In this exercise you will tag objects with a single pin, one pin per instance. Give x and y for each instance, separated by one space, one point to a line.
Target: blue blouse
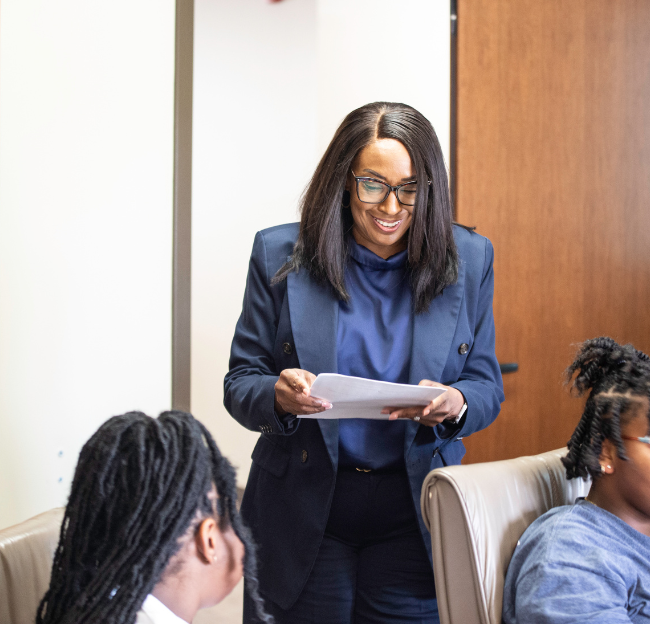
374 340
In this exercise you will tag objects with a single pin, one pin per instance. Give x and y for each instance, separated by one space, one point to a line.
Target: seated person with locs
590 562
151 533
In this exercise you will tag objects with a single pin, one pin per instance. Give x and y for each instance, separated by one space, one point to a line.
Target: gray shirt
575 564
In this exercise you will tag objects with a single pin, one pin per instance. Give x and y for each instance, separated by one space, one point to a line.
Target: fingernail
392 417
425 413
328 406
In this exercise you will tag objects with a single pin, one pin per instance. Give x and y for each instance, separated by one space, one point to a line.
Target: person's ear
608 457
209 541
349 180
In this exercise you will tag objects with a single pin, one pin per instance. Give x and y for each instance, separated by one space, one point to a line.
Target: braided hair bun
616 378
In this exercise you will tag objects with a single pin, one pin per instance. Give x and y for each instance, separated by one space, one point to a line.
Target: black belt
373 471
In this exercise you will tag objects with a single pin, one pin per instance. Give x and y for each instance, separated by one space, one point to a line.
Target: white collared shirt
153 611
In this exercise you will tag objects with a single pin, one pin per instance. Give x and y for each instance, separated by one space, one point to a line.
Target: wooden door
553 165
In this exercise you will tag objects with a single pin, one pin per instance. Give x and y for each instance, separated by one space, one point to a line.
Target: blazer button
463 349
287 348
303 457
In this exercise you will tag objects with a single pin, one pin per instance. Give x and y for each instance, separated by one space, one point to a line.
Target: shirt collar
367 258
158 612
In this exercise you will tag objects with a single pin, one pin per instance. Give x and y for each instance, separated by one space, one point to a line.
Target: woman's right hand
292 393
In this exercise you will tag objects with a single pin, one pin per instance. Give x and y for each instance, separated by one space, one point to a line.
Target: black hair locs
326 220
616 377
137 488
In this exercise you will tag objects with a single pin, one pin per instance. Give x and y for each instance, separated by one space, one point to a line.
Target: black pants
372 566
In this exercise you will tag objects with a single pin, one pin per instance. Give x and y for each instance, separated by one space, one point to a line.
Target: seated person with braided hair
151 533
590 562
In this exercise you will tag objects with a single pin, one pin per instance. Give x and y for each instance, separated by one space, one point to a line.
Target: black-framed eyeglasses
372 191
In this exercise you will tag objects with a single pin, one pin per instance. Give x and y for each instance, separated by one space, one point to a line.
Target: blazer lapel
433 332
313 309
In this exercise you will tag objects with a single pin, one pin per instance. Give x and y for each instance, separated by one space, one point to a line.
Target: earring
602 468
345 200
215 558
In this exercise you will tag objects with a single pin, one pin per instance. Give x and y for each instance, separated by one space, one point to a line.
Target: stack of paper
355 397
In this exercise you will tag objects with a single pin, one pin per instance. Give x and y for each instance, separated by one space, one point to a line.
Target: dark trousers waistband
401 469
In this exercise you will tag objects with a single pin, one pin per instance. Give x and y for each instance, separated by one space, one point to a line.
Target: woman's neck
606 495
178 597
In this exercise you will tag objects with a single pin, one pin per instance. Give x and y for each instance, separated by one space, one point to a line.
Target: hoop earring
345 200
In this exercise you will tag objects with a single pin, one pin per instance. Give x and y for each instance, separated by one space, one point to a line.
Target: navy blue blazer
293 324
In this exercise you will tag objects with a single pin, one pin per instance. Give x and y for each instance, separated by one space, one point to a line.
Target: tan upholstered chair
26 552
476 515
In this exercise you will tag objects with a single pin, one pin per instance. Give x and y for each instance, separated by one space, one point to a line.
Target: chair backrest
476 514
26 553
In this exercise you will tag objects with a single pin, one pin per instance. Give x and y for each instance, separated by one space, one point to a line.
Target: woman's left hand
445 407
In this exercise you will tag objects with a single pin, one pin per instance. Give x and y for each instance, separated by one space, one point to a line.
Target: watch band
460 414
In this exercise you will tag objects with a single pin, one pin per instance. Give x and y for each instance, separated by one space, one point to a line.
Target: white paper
355 397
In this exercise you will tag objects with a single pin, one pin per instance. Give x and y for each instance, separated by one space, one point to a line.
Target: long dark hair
321 245
137 488
616 377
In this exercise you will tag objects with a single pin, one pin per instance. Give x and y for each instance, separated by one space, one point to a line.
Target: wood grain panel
553 166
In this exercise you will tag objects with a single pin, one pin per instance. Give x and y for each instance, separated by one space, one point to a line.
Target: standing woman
376 281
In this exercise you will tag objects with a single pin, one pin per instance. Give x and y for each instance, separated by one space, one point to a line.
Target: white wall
383 50
255 132
86 155
271 84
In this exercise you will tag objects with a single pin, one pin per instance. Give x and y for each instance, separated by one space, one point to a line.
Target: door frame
182 212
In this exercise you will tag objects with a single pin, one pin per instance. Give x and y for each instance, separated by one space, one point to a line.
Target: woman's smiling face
382 228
